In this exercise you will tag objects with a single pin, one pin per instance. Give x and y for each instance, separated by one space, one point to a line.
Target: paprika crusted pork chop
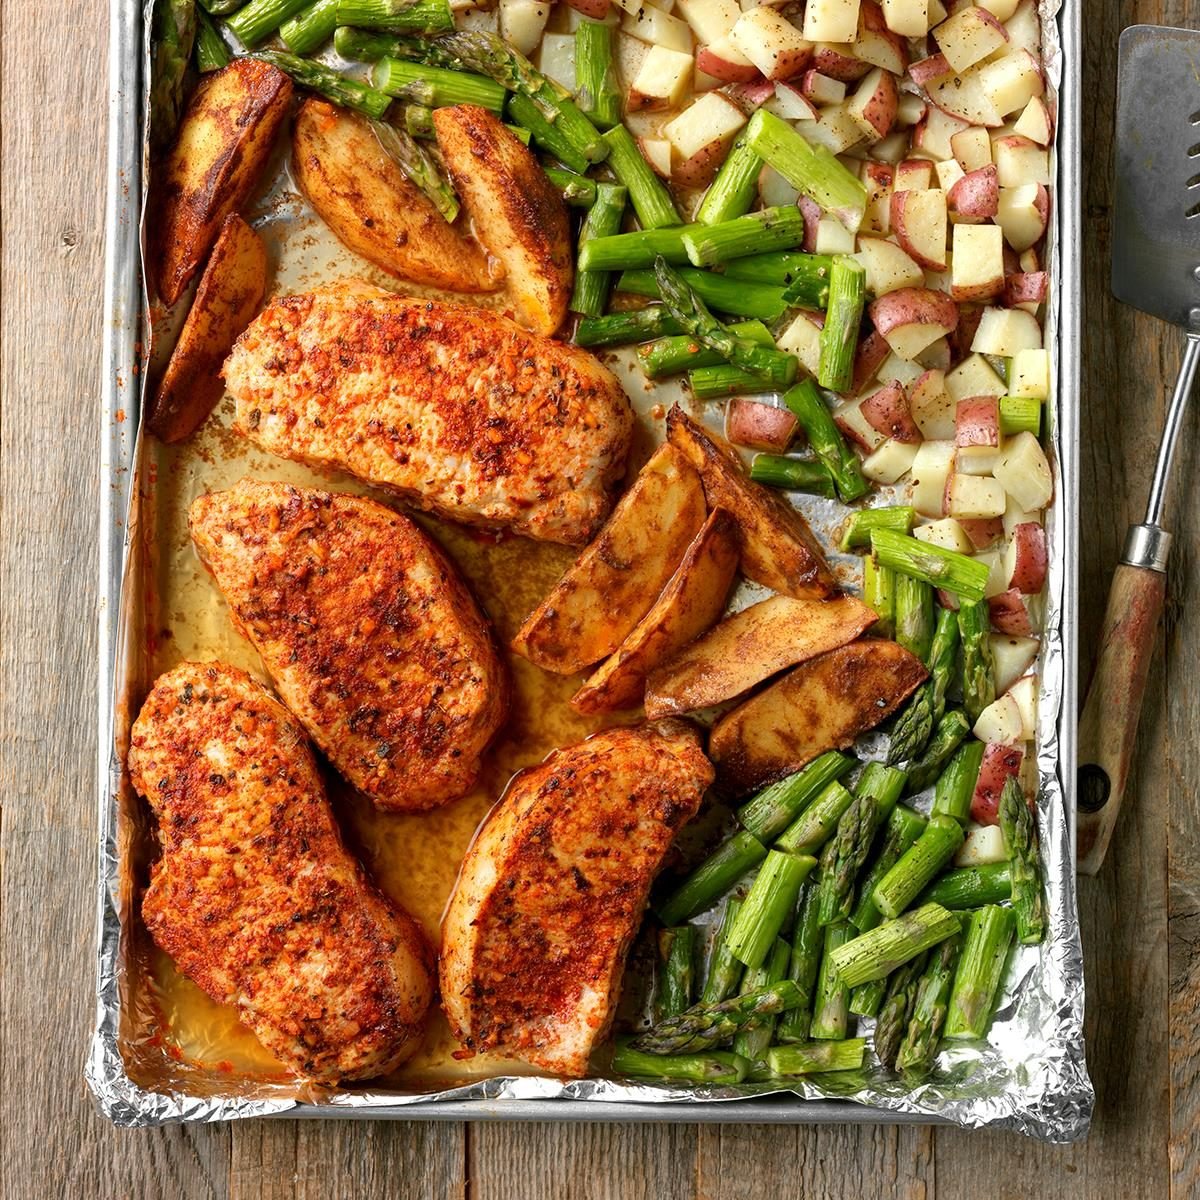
255 896
553 888
368 631
458 410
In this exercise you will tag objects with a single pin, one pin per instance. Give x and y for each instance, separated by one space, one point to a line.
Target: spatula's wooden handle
1109 723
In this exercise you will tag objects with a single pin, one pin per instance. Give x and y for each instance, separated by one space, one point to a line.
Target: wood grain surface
1141 916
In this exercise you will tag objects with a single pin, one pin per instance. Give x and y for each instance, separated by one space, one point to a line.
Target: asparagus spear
808 942
830 1019
736 297
716 1066
724 971
867 998
397 16
211 52
596 89
914 616
816 1057
418 121
620 328
988 937
876 954
768 813
777 228
956 785
892 1022
879 595
360 45
928 1019
650 199
969 887
604 218
965 577
752 1041
1020 413
1024 863
843 317
903 828
935 847
735 187
712 878
256 21
311 27
441 87
671 355
622 251
947 736
805 277
174 32
349 93
577 190
857 530
551 137
677 953
814 826
793 474
708 383
706 1025
978 681
771 899
418 167
826 440
928 704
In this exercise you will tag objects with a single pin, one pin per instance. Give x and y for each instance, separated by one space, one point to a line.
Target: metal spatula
1156 268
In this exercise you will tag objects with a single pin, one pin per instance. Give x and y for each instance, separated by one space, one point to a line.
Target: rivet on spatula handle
1108 727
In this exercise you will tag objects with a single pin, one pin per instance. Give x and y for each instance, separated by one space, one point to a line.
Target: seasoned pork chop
458 410
368 631
255 897
553 888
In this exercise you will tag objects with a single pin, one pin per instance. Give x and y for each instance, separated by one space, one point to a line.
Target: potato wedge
518 214
751 646
224 142
822 705
689 604
596 604
230 292
778 548
363 196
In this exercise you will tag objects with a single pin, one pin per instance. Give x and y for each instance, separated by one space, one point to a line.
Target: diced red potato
973 497
983 845
888 267
1020 162
789 104
947 533
872 352
1024 471
836 130
909 109
983 532
522 23
700 138
969 36
936 356
1027 260
774 189
708 19
836 62
810 210
848 417
662 80
931 471
1035 122
873 105
1012 656
772 43
1011 82
595 10
1015 515
977 422
972 148
655 26
961 94
759 426
931 406
1024 27
803 339
1000 724
948 173
919 222
1000 9
926 70
1010 614
1026 288
886 410
1023 213
823 89
1000 763
977 263
750 97
1005 331
831 20
976 196
974 376
960 339
912 318
931 137
657 152
877 177
908 18
890 461
913 174
892 148
724 61
1025 693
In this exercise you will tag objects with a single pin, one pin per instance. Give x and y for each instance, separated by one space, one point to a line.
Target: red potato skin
596 9
983 531
969 317
759 426
880 110
698 171
871 354
909 306
811 212
724 70
927 69
1009 614
976 196
947 599
852 434
886 411
792 63
831 61
1000 763
913 173
1032 558
1026 288
751 96
879 176
809 83
870 18
977 422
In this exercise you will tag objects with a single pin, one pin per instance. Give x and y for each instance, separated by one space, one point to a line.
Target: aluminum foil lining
1029 1077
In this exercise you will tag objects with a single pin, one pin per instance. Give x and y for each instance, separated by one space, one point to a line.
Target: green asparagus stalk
418 121
813 170
360 45
706 1025
577 190
879 595
621 328
978 680
892 1023
876 954
220 8
867 998
752 1041
211 51
174 34
808 943
1024 863
712 878
928 704
914 616
988 937
856 532
710 383
398 78
793 474
768 813
349 93
1019 414
830 1019
622 251
956 785
596 89
736 297
928 1019
817 1057
965 577
771 899
715 1066
843 317
677 954
255 22
551 137
778 228
815 825
950 733
590 296
936 846
826 440
417 165
969 887
724 971
647 193
735 187
310 28
671 355
397 16
805 277
903 828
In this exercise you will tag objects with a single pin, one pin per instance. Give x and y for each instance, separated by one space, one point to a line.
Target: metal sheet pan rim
118 1096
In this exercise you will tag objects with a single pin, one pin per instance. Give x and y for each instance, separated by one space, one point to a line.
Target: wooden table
1141 918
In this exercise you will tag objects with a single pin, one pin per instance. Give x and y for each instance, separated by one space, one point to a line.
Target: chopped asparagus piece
752 1041
598 93
857 530
211 51
724 379
713 878
310 28
778 228
677 954
768 813
902 829
647 193
399 78
914 616
1024 863
621 328
916 722
793 474
671 355
577 190
771 899
815 825
877 953
256 21
956 784
916 1055
892 1022
735 187
969 887
830 1019
879 595
724 971
397 16
936 846
978 679
715 1066
706 1025
950 733
816 1057
418 167
604 218
733 296
826 440
349 93
623 251
988 937
808 943
843 317
965 577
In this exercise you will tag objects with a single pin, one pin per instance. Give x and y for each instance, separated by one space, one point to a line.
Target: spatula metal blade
1156 230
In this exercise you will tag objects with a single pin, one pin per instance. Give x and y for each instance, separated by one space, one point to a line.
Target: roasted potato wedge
597 603
518 214
822 705
230 292
689 604
751 646
363 196
778 548
224 142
